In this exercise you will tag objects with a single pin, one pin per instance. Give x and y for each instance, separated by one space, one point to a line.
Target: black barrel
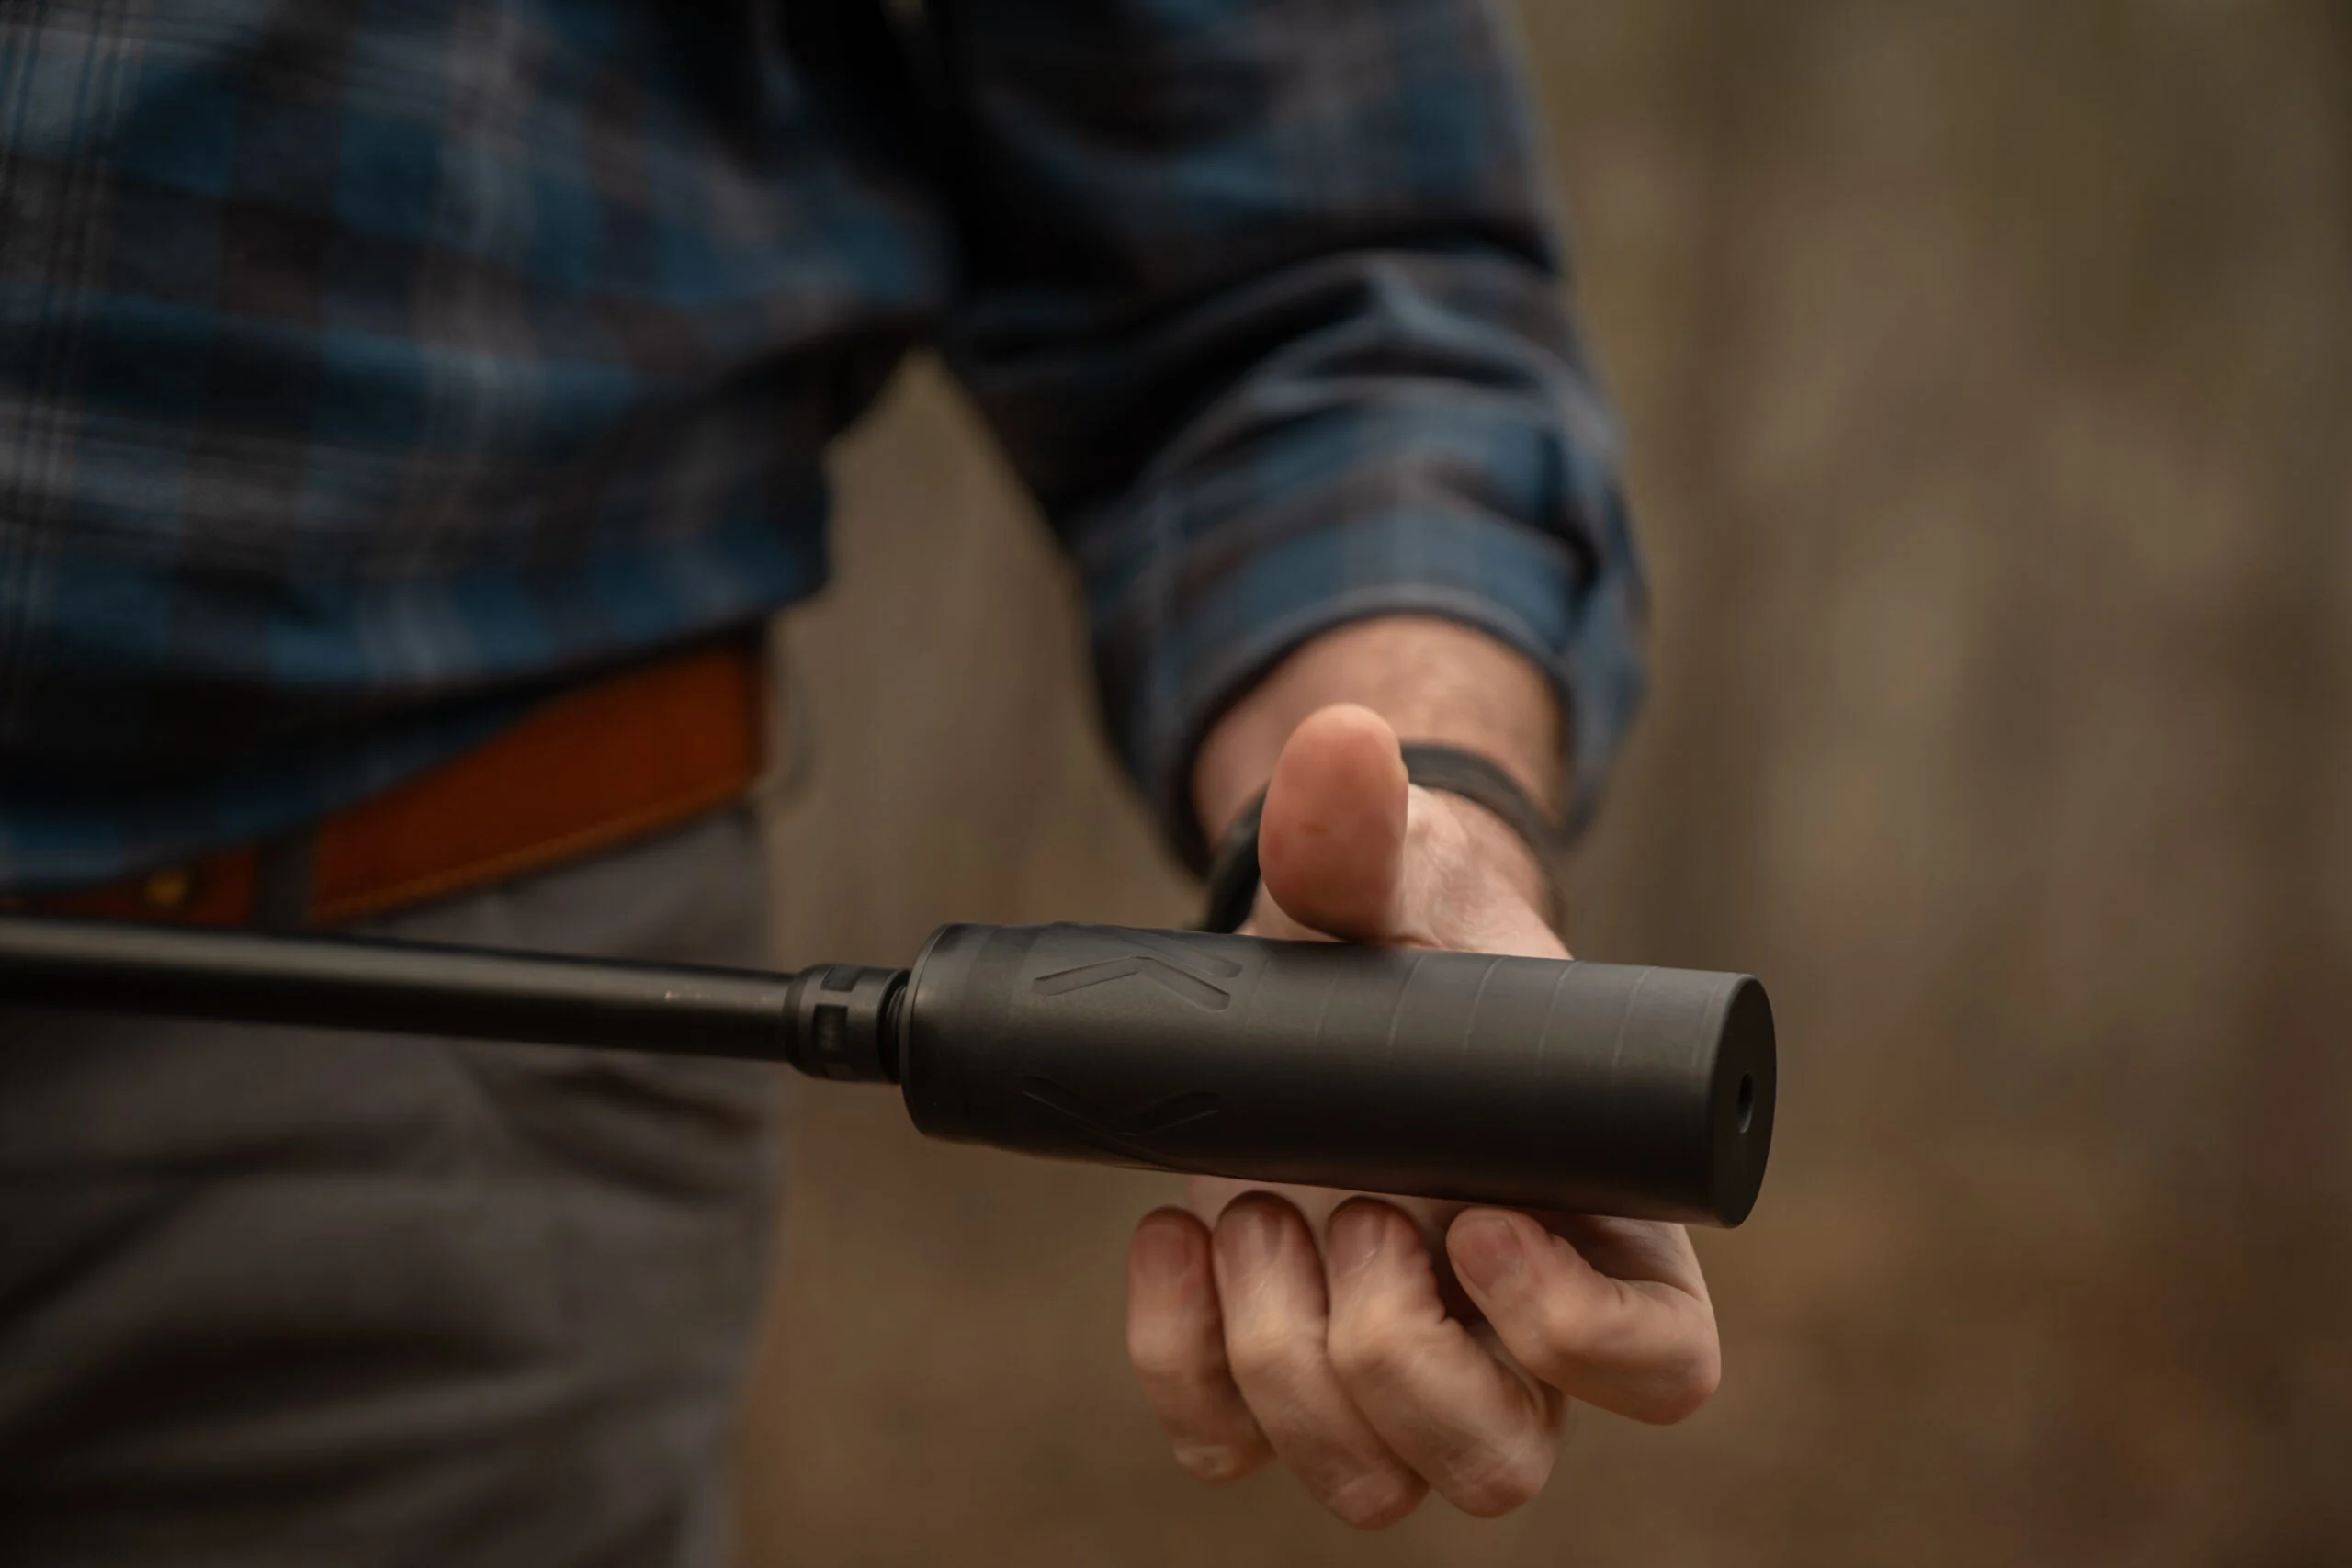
397 988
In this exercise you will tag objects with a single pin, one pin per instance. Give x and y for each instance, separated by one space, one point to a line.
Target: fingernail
1487 1250
1250 1233
1358 1232
1212 1462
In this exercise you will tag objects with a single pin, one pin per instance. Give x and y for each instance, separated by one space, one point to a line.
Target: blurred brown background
1988 371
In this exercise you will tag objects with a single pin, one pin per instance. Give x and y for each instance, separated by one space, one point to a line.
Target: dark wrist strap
1233 874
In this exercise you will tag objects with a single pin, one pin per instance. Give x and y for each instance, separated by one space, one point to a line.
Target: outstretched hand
1387 1348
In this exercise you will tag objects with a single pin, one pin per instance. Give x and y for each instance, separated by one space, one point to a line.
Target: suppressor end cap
1746 1089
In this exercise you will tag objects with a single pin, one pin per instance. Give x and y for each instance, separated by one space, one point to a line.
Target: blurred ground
1988 371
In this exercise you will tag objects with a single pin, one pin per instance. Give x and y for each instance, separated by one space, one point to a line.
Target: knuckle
1160 1355
1565 1329
1216 1462
1503 1478
1570 1346
1371 1348
1269 1354
1375 1499
1682 1391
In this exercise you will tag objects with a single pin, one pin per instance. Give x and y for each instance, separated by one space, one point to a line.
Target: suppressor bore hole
1744 1105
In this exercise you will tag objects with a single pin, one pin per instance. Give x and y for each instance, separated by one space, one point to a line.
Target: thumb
1331 838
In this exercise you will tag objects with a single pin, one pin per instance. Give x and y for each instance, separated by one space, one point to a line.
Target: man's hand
1387 1348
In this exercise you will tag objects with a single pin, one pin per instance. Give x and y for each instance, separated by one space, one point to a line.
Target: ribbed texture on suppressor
1590 1088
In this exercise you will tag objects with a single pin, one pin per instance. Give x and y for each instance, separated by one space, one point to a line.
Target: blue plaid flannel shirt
369 370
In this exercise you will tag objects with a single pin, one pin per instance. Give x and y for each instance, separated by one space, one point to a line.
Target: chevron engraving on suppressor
1159 972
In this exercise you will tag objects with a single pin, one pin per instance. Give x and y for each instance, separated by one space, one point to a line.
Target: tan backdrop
1988 371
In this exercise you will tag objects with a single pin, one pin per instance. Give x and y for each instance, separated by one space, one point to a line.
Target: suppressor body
1590 1088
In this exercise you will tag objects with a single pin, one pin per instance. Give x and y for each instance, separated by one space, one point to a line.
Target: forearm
1433 680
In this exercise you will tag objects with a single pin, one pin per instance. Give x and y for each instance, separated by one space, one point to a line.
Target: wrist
1433 679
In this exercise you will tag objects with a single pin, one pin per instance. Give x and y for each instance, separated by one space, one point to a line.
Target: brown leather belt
593 768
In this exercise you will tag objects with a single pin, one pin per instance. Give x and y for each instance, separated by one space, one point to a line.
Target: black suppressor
1591 1088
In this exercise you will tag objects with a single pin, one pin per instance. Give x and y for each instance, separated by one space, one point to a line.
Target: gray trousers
276 1296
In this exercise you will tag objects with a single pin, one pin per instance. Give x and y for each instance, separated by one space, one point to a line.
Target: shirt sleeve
1264 300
